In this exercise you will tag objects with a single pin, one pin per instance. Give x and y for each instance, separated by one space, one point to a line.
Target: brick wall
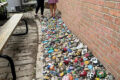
97 24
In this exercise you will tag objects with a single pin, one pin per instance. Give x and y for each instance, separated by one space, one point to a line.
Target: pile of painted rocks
66 57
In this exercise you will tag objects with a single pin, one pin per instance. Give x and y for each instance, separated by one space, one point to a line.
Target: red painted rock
66 62
64 49
76 60
81 59
82 64
83 73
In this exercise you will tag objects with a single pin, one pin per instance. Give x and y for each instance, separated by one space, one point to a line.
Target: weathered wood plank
7 29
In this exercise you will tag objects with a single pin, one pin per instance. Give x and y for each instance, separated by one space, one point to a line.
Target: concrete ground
25 51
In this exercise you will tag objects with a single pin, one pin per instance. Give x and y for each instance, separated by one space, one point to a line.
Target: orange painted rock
52 68
70 77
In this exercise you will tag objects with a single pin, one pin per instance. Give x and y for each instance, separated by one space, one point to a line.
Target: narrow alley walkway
51 52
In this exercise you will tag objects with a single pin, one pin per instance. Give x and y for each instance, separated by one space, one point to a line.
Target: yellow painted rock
61 74
60 64
54 57
77 53
56 50
46 77
66 33
97 78
86 62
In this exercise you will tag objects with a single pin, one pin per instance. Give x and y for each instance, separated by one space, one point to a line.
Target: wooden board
3 4
7 29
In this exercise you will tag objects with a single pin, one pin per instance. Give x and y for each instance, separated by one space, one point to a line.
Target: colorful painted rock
97 78
81 59
90 66
66 62
46 78
50 51
86 62
70 77
61 74
65 77
91 75
94 60
80 46
76 79
54 57
83 73
69 50
56 50
76 60
101 74
64 50
84 51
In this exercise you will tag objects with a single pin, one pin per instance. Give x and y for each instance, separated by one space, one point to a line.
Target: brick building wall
97 24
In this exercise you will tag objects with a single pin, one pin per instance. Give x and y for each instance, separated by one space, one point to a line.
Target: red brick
117 5
114 27
117 21
105 10
114 12
108 18
110 4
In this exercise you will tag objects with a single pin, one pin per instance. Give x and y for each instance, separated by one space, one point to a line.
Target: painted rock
80 59
101 74
46 78
83 73
76 79
84 51
85 59
86 62
65 72
97 78
71 67
61 74
54 57
56 50
50 51
60 64
76 60
52 67
76 40
80 46
82 64
91 75
77 53
94 60
47 59
64 50
69 50
87 55
90 66
65 77
70 77
66 62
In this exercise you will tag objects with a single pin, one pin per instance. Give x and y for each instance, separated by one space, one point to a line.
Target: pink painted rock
87 55
76 60
65 77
